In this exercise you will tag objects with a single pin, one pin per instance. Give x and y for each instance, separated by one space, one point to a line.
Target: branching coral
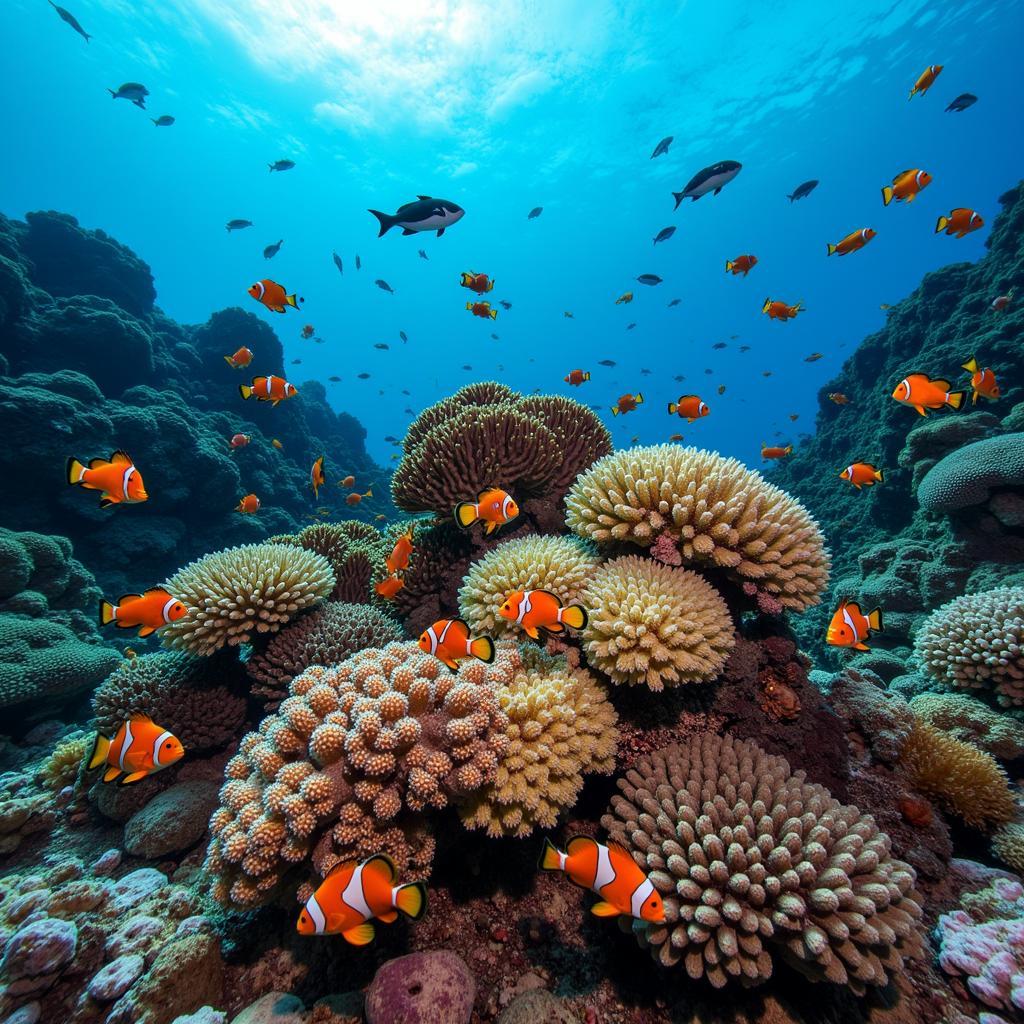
650 624
977 642
561 727
349 761
324 636
561 565
966 780
355 551
965 718
753 862
719 512
234 594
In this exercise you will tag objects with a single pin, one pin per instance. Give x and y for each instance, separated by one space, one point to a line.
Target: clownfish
850 627
150 610
390 586
316 476
610 872
905 186
240 440
577 377
740 265
449 641
353 894
478 283
493 506
960 222
776 310
627 403
116 477
268 389
775 451
838 397
308 331
920 392
482 309
355 498
983 381
689 408
862 474
139 748
241 358
273 296
398 560
925 80
537 610
248 505
852 242
625 297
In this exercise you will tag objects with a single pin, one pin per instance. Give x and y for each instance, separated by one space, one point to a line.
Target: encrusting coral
753 861
235 594
561 565
561 727
654 625
968 475
976 642
349 761
965 718
718 512
355 551
325 636
966 780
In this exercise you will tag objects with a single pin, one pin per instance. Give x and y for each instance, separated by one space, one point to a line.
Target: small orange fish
983 382
905 186
149 611
316 477
248 505
116 478
862 474
277 444
355 498
537 610
920 392
450 642
627 403
721 389
850 627
380 517
776 310
348 481
740 265
240 440
398 560
794 416
1001 302
353 894
268 389
625 297
960 222
273 296
239 359
884 305
482 309
775 451
387 588
139 748
308 331
493 506
813 357
577 377
838 397
689 407
852 242
925 80
675 437
475 282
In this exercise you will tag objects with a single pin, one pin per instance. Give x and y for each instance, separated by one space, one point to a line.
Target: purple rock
422 988
131 890
204 1015
116 978
135 935
192 925
41 947
107 863
27 1014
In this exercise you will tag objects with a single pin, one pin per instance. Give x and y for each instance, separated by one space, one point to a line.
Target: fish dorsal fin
154 590
141 718
424 198
382 864
554 597
338 868
487 490
576 841
613 845
121 456
129 597
944 384
909 170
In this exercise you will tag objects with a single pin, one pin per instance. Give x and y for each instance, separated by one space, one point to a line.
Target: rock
204 1015
537 1007
27 1014
273 1008
131 890
136 935
40 948
188 974
434 987
116 978
107 863
172 821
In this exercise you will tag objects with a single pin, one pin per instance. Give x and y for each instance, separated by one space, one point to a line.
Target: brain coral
191 696
325 636
977 642
972 721
559 564
968 475
236 593
353 549
349 761
753 861
486 435
719 512
654 625
561 727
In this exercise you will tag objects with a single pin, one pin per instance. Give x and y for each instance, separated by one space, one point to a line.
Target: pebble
39 948
537 1007
192 925
135 935
107 863
27 1014
130 891
422 988
116 978
273 1008
18 909
204 1015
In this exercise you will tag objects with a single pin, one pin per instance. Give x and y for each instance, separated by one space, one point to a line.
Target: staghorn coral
650 624
234 594
972 721
754 862
191 696
561 727
977 642
349 762
324 636
721 514
559 564
60 767
355 551
966 780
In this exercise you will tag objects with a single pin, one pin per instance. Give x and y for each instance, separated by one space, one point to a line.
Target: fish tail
107 613
469 305
790 198
493 314
387 222
879 476
672 408
728 266
75 471
550 857
112 93
875 620
615 410
228 360
100 747
575 616
831 248
940 224
971 366
411 900
586 376
245 391
639 398
679 197
886 195
292 301
482 648
956 398
465 514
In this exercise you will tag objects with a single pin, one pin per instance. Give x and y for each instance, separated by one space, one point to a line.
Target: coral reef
722 515
1008 845
969 475
355 551
972 721
235 594
653 625
422 988
60 768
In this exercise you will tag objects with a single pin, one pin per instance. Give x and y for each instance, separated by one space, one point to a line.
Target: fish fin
604 909
550 857
230 362
672 407
911 197
245 391
575 616
111 773
292 301
107 613
532 632
971 366
940 224
387 222
489 528
120 456
275 403
861 647
974 398
440 232
133 777
388 917
340 866
638 398
728 265
956 398
875 620
452 666
100 748
382 863
465 514
879 476
831 249
493 314
576 840
361 935
615 410
678 196
411 900
922 411
469 305
886 195
75 471
106 501
139 717
147 631
555 629
482 648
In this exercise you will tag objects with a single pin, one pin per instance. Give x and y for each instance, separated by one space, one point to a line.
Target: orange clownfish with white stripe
850 627
353 894
449 641
316 476
139 748
922 393
610 872
983 381
149 611
272 295
493 506
540 610
268 389
117 478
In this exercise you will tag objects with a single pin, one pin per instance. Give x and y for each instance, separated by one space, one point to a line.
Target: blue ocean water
503 107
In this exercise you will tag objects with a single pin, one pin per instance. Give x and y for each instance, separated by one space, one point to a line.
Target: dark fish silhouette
495 337
664 235
69 19
674 302
744 348
282 165
271 250
163 121
606 362
363 376
630 327
709 179
403 335
426 214
650 279
505 303
404 392
381 345
719 344
423 255
535 212
645 372
334 380
135 92
338 263
803 190
384 286
295 362
467 367
962 102
359 262
662 147
237 225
